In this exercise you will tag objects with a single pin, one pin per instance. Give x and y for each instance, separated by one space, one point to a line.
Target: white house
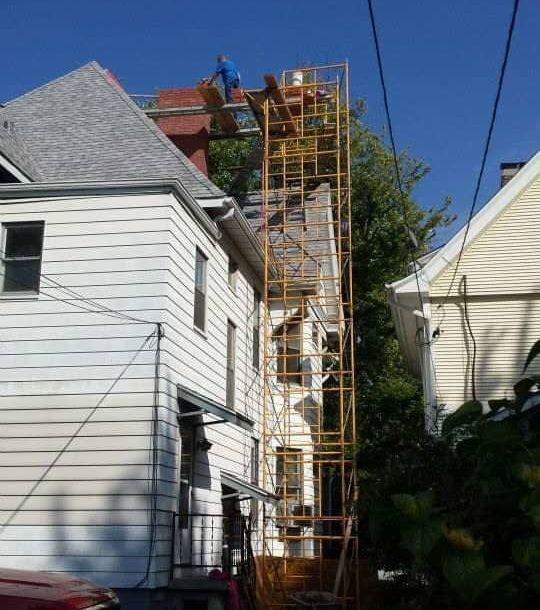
476 330
130 353
110 232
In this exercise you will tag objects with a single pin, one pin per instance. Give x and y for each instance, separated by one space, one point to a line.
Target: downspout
228 204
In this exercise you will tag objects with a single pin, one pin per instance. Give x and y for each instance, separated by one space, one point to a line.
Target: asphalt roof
83 126
300 237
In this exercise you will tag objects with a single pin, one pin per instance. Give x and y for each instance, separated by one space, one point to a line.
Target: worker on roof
229 75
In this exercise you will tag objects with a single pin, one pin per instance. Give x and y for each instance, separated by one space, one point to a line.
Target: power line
487 144
155 459
411 240
103 309
75 434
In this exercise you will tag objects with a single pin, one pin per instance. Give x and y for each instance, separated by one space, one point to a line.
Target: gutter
231 209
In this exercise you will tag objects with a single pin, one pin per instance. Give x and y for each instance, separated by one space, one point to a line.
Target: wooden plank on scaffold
282 107
212 96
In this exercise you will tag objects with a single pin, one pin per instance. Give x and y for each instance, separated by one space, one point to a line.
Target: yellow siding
503 288
504 332
504 258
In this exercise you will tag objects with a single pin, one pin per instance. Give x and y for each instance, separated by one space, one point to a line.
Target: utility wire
411 240
74 435
473 339
155 459
487 144
103 309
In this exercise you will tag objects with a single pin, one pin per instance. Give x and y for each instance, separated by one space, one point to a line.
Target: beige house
474 333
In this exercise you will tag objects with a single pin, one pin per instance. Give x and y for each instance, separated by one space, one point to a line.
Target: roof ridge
152 127
59 79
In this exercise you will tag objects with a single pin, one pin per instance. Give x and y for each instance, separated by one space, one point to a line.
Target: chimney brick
509 170
189 133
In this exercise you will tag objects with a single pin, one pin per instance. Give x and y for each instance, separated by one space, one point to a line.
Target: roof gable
444 260
83 126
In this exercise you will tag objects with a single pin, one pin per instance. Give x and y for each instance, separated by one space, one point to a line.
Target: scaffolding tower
309 434
309 540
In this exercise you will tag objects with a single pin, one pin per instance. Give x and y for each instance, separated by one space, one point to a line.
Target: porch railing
207 541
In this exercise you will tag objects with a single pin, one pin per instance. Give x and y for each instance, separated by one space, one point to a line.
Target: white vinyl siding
58 361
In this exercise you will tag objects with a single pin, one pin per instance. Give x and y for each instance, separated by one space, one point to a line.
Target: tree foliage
390 407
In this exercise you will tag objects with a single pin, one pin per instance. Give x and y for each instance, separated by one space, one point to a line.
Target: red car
24 590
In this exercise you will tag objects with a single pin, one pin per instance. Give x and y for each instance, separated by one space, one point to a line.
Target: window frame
283 473
232 273
230 366
200 291
255 457
289 354
256 330
6 260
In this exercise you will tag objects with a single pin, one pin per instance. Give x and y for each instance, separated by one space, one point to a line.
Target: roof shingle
83 126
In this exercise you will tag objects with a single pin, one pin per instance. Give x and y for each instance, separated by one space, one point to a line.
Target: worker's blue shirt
228 72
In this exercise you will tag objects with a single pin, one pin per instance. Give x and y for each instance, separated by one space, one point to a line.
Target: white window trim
200 330
24 295
12 169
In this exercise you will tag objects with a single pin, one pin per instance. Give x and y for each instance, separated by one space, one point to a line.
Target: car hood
44 590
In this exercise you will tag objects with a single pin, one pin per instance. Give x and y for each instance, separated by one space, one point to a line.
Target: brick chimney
190 133
509 170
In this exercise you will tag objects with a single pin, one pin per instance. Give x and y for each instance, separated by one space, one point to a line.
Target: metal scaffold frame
309 429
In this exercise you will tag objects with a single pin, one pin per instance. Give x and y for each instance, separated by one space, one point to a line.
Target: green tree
226 157
390 407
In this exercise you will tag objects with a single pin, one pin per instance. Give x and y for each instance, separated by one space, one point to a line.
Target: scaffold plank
283 110
212 96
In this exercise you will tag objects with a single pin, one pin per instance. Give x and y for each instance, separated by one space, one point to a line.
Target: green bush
464 531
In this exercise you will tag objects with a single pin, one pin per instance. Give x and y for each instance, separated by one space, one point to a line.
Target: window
254 461
199 314
231 364
289 365
256 328
315 336
233 273
289 475
23 245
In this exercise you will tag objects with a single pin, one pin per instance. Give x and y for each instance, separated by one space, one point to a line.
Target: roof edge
118 187
485 216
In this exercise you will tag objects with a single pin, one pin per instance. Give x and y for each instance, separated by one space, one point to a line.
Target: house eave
238 229
34 190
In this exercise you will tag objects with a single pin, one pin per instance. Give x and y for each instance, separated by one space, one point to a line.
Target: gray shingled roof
83 126
304 226
14 149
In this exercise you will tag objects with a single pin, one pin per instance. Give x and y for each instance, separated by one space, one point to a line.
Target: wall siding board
503 303
90 512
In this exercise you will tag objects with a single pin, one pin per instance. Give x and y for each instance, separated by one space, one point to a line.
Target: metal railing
207 541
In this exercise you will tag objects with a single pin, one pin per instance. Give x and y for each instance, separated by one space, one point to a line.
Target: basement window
21 257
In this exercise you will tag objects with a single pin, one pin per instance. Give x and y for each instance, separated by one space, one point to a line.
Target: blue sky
441 59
